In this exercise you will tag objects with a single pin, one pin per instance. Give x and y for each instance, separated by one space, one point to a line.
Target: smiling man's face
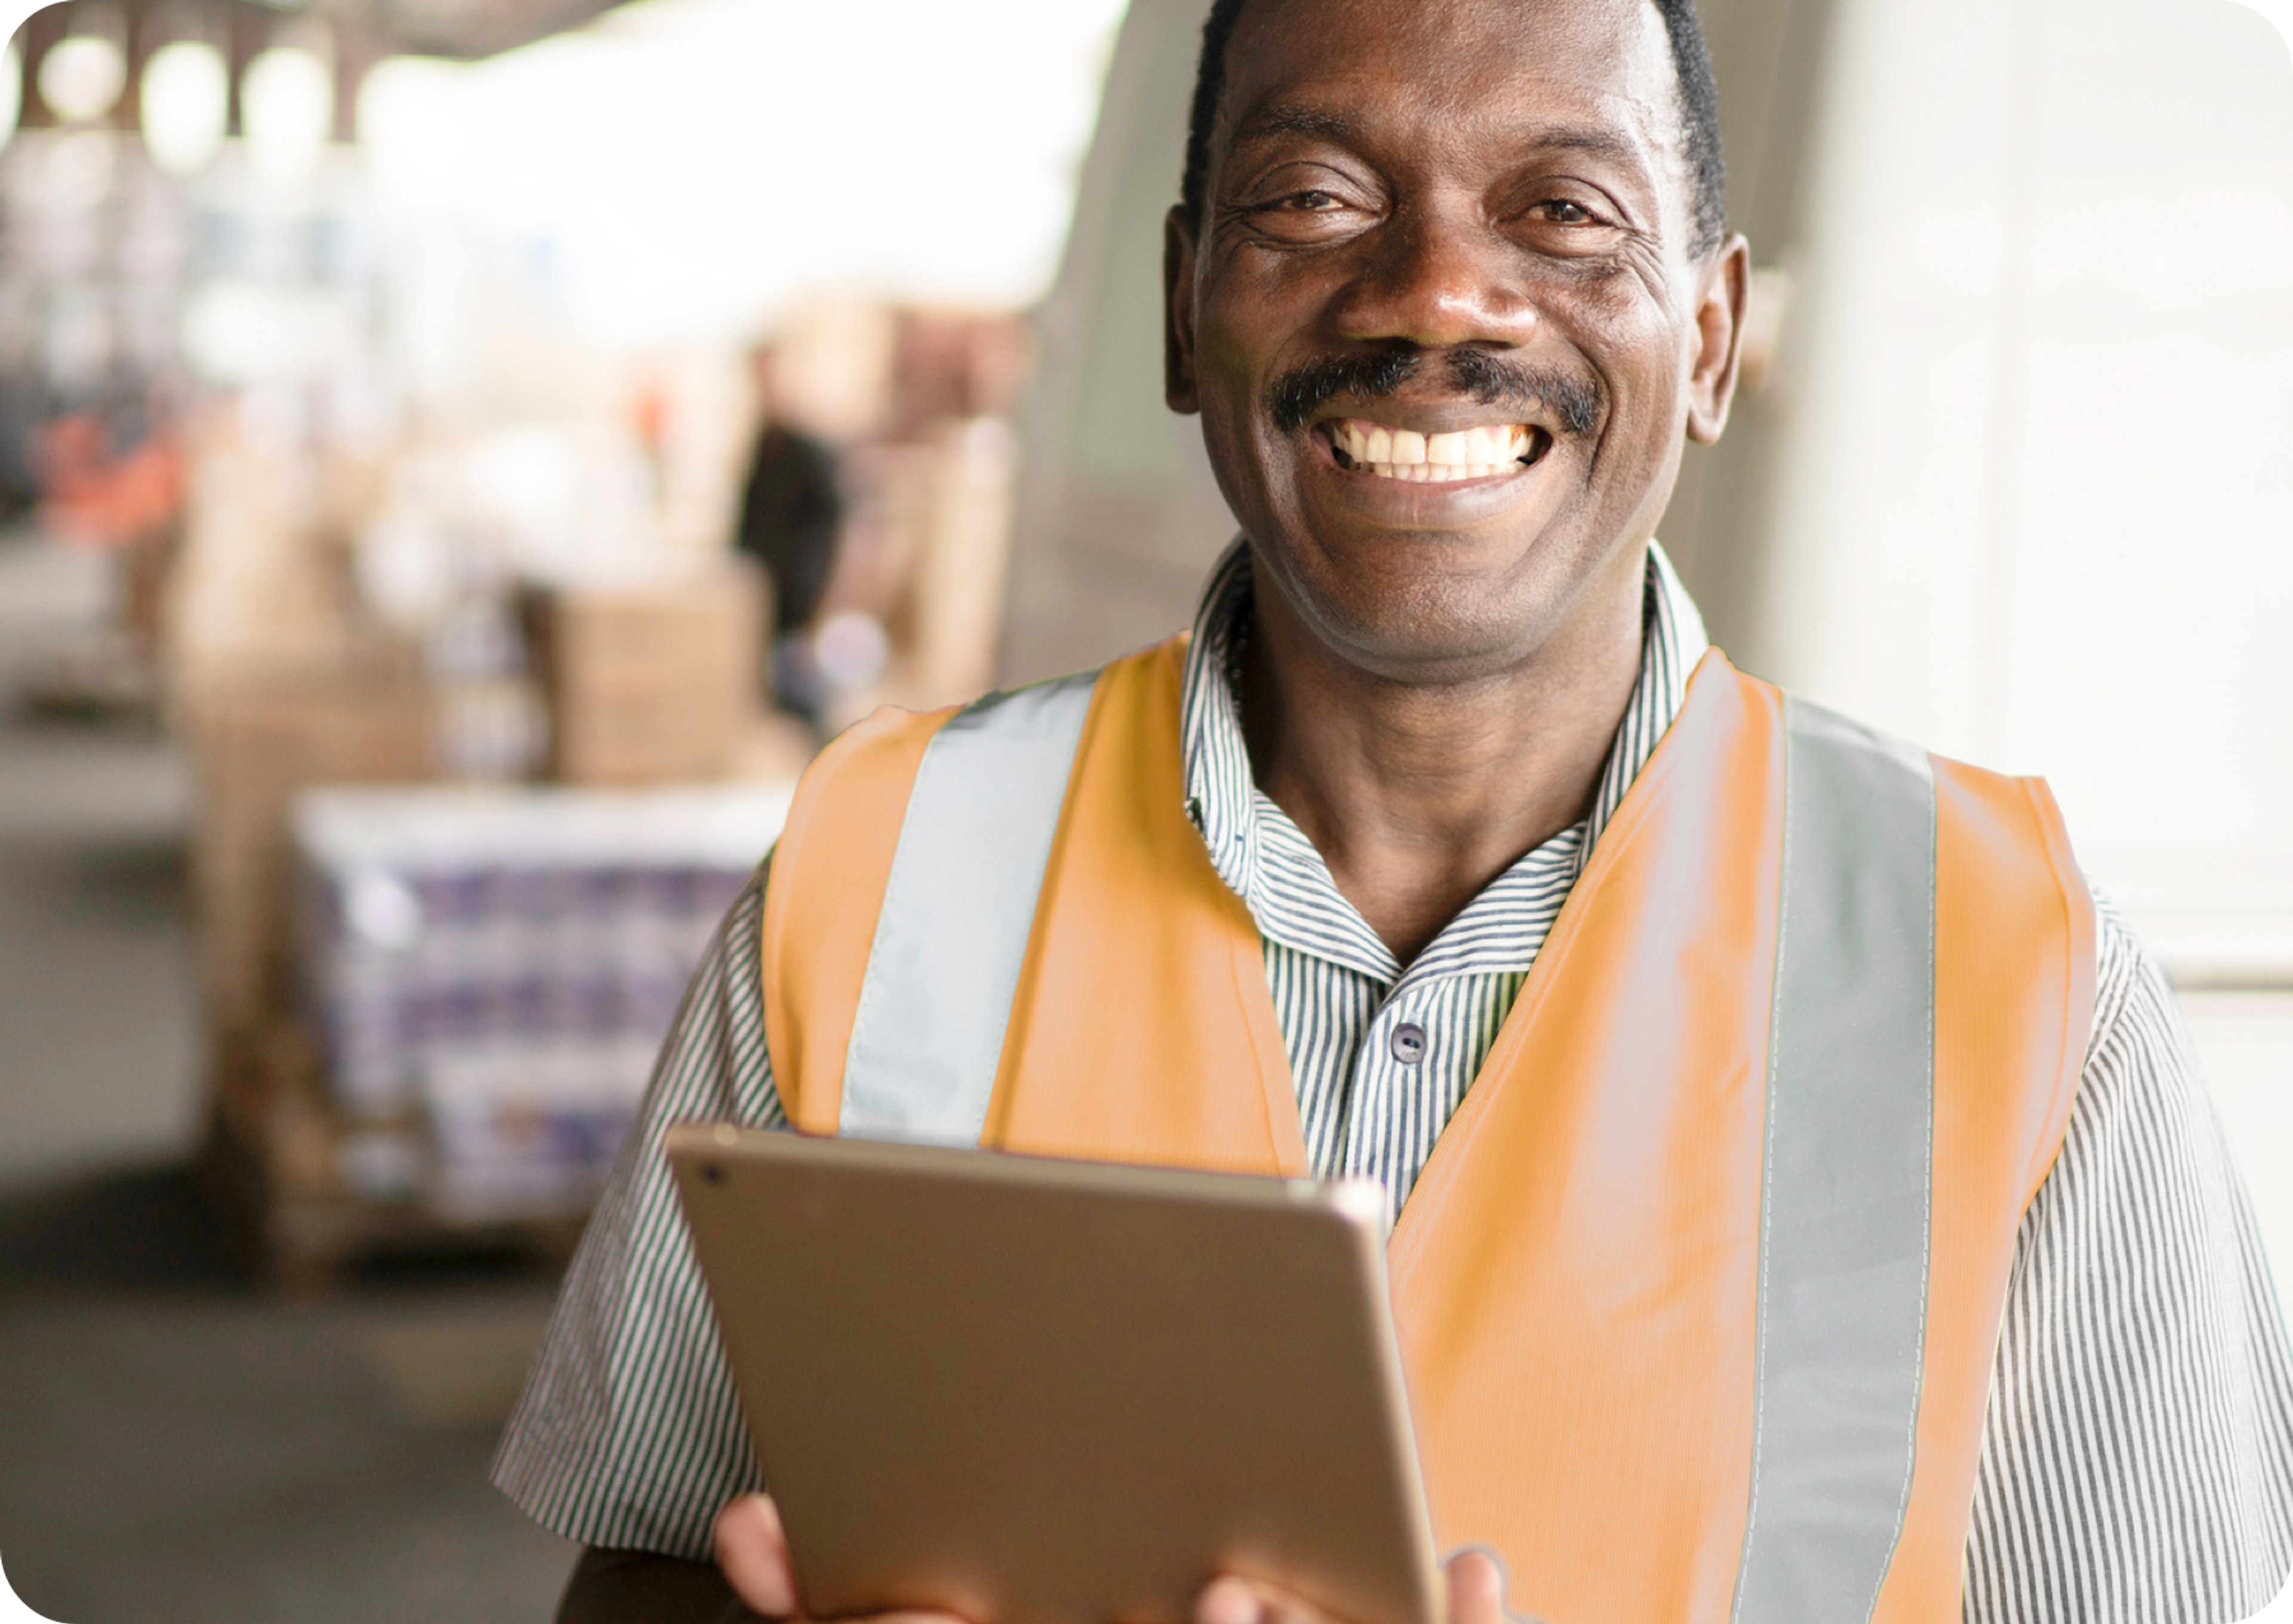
1442 316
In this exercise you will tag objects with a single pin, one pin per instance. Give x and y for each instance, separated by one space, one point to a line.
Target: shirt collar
1267 861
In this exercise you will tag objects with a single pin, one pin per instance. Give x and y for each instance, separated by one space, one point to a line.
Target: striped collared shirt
1383 1054
2137 1457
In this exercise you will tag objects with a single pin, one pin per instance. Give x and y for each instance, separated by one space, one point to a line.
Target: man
1807 1206
792 512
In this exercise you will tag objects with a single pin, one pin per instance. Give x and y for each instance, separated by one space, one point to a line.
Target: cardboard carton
651 685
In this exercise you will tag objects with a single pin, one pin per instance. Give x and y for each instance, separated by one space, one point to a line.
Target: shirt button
1409 1043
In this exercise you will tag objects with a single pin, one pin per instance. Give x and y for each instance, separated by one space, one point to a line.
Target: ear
1179 311
1726 287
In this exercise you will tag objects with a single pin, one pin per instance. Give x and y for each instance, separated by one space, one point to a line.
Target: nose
1437 278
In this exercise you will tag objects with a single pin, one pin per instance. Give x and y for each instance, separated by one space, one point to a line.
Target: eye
1560 211
1308 213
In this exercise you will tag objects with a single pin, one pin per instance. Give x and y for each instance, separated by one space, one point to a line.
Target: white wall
1119 517
2038 509
2035 503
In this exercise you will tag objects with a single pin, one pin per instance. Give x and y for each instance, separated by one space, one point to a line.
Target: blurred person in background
791 514
1808 1204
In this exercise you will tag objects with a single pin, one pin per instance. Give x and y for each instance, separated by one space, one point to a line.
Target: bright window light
413 128
81 77
186 102
287 101
704 203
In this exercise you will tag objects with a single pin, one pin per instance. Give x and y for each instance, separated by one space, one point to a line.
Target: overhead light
287 101
12 93
81 77
186 103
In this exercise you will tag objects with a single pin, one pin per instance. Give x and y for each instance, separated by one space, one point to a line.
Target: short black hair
1699 113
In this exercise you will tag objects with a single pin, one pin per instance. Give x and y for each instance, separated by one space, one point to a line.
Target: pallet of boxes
260 738
432 1005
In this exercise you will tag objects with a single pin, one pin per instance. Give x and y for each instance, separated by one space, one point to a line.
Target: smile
1461 453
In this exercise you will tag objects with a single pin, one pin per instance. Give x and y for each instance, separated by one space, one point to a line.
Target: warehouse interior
393 692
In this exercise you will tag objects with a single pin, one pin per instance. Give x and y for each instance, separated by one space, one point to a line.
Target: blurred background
459 459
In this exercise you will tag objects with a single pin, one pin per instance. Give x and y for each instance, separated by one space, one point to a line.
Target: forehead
1432 73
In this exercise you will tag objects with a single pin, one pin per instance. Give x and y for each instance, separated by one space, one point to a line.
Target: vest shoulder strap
897 908
1844 1220
958 906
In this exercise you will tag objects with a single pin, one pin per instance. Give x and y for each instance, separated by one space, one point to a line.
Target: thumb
1477 1588
752 1553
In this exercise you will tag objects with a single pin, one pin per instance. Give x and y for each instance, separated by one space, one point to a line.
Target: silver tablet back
1040 1391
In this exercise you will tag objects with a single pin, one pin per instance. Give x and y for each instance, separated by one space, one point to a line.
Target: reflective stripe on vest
1698 1291
1843 1211
953 931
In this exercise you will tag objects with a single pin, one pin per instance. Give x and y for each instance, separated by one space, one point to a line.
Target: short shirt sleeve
628 1435
2137 1460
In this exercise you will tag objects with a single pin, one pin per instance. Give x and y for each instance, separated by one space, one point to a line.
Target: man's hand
752 1553
1476 1596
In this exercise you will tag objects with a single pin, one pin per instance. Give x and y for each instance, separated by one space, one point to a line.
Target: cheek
1262 314
1234 319
1248 472
1227 382
1643 362
1221 353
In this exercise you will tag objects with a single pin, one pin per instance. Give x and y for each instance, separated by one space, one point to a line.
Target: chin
1424 625
1431 604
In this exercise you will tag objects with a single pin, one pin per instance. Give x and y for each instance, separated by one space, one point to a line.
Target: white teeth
1438 474
1461 453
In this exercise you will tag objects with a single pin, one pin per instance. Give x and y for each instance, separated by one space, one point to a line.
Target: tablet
1040 1391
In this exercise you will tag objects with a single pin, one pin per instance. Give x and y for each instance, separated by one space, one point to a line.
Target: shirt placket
1396 1064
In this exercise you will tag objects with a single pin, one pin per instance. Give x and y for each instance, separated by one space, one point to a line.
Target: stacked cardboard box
656 684
260 736
966 539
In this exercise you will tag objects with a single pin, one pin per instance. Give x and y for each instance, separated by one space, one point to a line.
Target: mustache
1491 380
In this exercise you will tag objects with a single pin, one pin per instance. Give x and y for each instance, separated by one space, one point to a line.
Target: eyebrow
1277 118
1601 143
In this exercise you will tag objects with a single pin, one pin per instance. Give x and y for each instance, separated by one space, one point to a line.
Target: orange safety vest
1698 1293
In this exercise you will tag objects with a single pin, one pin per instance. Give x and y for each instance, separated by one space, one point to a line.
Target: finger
1476 1589
752 1553
1229 1600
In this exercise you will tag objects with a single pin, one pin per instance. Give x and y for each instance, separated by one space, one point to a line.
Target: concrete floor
96 1017
176 1445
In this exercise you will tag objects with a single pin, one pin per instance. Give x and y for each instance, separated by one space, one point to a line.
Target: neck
1417 794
